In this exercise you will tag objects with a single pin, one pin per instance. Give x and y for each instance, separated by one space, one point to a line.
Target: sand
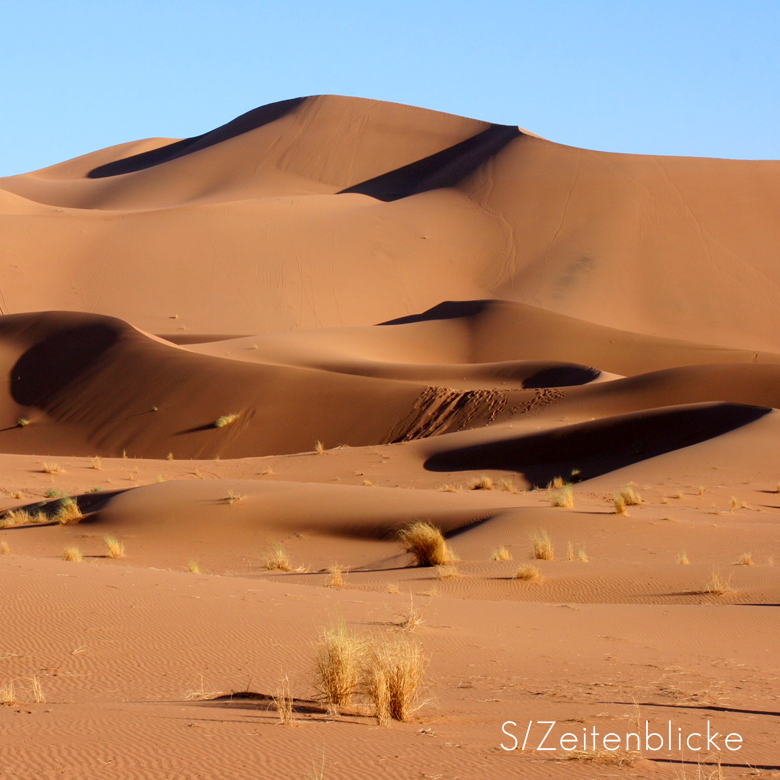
333 317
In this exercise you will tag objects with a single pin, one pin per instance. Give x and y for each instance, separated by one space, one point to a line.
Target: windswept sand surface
333 317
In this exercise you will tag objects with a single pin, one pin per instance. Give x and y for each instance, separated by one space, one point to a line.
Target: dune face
254 356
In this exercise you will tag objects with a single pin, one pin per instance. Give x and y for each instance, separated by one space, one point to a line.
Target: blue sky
691 78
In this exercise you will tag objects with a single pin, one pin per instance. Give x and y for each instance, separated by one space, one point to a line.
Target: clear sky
684 77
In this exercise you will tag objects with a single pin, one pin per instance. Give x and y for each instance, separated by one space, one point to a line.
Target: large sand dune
329 318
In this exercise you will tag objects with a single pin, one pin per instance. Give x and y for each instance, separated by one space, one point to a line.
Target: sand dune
332 317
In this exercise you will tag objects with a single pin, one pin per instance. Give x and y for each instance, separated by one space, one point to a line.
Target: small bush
68 512
97 463
72 554
528 573
501 554
426 543
393 671
225 420
283 703
481 483
563 498
115 548
277 558
335 580
542 547
746 559
339 658
52 468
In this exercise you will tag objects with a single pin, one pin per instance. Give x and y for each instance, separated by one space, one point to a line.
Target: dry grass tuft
225 420
68 512
563 497
4 548
717 584
367 483
449 488
39 697
501 554
582 556
319 448
201 693
16 517
335 580
283 703
392 587
276 558
507 486
569 551
193 567
611 757
8 696
447 572
72 554
481 483
22 422
542 547
528 573
621 507
52 468
115 548
682 558
393 673
556 484
97 463
630 496
410 618
231 498
339 658
746 559
426 543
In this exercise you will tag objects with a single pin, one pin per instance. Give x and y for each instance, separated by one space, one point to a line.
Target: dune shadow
600 446
58 360
446 310
442 169
243 124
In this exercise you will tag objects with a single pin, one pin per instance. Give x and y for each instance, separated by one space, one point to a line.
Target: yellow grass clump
392 587
52 468
283 703
557 483
569 551
528 573
335 580
232 498
339 659
8 696
4 548
276 558
410 618
501 554
319 448
97 463
717 585
16 517
68 512
746 559
393 674
426 543
564 497
542 547
582 556
225 420
39 697
115 548
683 559
72 554
193 567
481 483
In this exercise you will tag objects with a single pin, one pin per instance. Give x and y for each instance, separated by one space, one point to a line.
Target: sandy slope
440 302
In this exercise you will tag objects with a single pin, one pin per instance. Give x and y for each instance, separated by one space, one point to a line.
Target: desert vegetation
426 543
542 546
